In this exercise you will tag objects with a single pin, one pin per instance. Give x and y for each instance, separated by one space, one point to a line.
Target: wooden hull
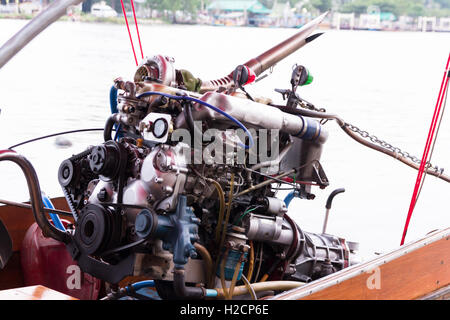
413 271
417 270
17 221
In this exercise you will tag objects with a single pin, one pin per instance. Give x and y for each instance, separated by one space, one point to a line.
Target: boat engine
183 189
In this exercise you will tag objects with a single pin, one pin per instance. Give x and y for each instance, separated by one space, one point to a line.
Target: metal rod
327 213
328 207
53 12
28 206
346 129
272 56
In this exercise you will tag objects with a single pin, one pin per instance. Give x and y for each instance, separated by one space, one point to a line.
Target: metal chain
374 139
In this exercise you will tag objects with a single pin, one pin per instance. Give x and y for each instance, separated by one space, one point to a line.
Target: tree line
412 8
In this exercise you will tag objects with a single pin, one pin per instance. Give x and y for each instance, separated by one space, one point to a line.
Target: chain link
374 139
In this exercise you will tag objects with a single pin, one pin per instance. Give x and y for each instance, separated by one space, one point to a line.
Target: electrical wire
261 249
251 260
222 274
237 269
236 221
227 217
249 288
221 207
54 135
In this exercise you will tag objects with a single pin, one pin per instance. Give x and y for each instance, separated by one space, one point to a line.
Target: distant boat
102 10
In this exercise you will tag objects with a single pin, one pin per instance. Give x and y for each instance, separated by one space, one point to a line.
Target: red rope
137 29
437 112
129 33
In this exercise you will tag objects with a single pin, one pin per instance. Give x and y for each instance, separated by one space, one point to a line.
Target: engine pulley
106 160
97 229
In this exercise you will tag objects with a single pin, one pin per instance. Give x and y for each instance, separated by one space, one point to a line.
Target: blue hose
55 218
210 293
113 99
291 195
143 284
113 107
152 93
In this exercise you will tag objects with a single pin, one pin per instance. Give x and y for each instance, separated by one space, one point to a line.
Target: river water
385 83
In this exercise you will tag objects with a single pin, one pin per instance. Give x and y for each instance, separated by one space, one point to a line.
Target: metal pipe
179 286
206 258
328 207
52 13
27 206
34 189
343 125
272 56
273 162
262 286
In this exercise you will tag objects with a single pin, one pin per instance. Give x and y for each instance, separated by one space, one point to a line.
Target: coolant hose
179 286
207 260
290 196
113 99
140 285
113 107
112 120
55 218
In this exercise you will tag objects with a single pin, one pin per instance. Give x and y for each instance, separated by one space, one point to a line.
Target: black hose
109 127
182 291
187 110
331 197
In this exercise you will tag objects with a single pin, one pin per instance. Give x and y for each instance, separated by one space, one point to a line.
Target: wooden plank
410 272
441 294
33 293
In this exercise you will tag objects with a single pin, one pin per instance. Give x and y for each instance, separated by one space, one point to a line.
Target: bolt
66 172
150 199
281 255
168 190
192 253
